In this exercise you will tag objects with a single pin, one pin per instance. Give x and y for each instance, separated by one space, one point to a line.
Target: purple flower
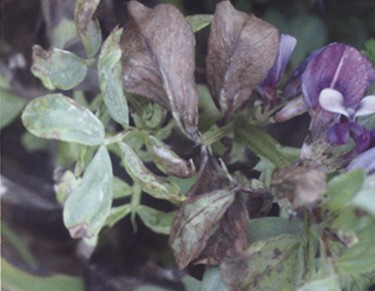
267 89
333 84
365 160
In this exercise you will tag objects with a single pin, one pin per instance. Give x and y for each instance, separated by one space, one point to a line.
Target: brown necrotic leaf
158 61
230 239
241 50
211 224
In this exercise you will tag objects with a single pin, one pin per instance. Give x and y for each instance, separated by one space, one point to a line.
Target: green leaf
343 187
118 213
365 199
191 284
330 283
88 206
11 106
268 227
359 258
109 71
88 27
272 264
56 116
58 69
156 186
17 280
263 145
369 50
212 281
158 221
121 188
199 21
64 31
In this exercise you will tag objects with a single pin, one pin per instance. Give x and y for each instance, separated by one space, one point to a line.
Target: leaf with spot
58 69
272 264
59 117
88 206
241 50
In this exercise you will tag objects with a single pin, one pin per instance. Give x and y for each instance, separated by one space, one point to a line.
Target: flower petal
365 160
268 86
294 108
339 133
360 135
339 67
367 106
332 101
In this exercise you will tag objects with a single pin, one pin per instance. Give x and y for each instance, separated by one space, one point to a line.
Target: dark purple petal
339 133
361 137
339 67
268 86
365 160
293 85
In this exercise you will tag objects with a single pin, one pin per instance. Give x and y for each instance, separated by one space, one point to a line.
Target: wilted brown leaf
158 61
298 186
231 237
212 223
241 50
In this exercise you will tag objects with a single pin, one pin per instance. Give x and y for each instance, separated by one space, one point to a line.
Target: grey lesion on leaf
80 231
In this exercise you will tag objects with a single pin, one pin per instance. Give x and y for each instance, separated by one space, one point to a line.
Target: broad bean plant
204 148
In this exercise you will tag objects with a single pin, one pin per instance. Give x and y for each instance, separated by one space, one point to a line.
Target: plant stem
134 203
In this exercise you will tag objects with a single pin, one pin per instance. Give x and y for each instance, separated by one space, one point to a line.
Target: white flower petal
332 101
367 106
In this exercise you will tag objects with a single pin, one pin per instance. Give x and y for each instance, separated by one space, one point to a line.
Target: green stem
309 247
134 203
216 133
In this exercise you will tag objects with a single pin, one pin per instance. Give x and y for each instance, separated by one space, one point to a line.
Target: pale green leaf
157 221
342 188
118 213
56 116
87 207
330 283
365 199
199 21
154 185
268 227
121 188
11 106
212 280
109 70
58 69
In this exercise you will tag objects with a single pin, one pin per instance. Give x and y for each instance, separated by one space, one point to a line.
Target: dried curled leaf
298 186
241 50
211 224
168 161
88 26
158 61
